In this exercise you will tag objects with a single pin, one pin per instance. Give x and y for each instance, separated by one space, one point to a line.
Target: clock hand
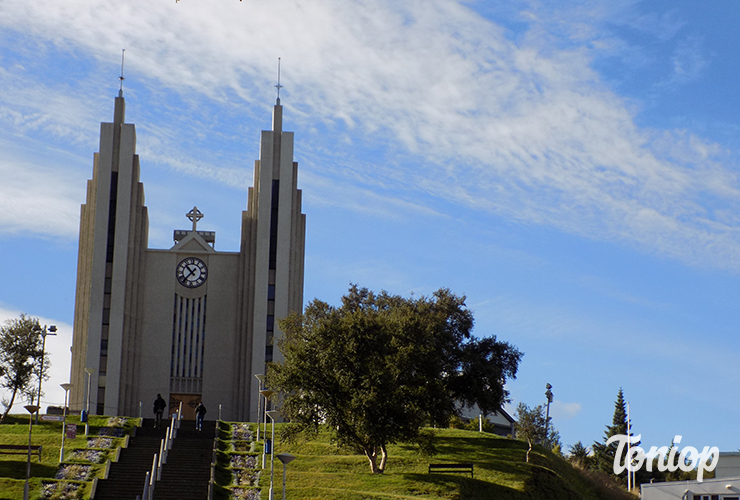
190 271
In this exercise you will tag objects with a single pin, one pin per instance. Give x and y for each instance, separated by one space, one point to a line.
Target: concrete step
185 476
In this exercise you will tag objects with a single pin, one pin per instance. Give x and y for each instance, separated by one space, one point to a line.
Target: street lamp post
31 409
43 332
266 393
548 393
66 388
273 414
285 458
89 372
261 379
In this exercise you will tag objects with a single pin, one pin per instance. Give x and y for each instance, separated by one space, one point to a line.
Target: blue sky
571 167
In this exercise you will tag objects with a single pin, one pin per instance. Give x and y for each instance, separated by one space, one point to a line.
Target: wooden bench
451 468
20 449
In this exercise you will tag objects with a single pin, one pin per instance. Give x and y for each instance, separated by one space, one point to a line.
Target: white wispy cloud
38 199
661 25
32 103
565 411
688 60
512 127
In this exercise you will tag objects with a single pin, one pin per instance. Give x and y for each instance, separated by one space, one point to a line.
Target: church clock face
191 272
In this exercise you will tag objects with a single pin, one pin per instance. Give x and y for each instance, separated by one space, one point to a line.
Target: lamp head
32 408
66 386
285 458
260 377
266 393
273 414
89 371
53 328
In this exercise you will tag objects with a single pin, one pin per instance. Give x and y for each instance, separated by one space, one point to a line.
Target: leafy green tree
380 367
530 425
553 442
20 353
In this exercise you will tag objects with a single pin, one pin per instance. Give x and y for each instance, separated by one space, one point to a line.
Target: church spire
119 115
277 114
278 86
120 90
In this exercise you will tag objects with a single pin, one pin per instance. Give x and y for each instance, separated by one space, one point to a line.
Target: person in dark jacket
200 412
159 406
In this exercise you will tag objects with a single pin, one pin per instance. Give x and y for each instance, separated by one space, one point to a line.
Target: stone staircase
185 476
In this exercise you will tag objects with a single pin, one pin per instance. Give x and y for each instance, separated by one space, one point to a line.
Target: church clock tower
189 321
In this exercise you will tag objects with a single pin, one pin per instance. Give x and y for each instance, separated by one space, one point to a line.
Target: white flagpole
629 444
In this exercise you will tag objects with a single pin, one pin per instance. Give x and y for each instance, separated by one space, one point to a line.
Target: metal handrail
212 480
161 458
145 494
153 477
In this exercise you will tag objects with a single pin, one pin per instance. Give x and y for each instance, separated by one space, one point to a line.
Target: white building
724 486
503 423
728 464
708 489
189 322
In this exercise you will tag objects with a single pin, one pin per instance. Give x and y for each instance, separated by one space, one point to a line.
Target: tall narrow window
188 345
274 223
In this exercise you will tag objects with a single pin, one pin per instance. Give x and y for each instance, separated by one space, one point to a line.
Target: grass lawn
323 471
14 430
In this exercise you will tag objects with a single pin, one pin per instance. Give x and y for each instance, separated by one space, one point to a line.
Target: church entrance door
189 402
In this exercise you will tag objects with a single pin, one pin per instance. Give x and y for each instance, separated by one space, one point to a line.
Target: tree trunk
530 448
372 457
10 405
371 452
383 458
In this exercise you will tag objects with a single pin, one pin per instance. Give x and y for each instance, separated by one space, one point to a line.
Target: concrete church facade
189 322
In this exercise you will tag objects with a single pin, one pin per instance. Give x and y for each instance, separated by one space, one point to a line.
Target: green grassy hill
14 430
322 471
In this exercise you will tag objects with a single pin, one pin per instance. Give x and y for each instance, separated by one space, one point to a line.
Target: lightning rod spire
278 86
120 90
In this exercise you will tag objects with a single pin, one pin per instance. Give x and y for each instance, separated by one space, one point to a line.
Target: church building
189 322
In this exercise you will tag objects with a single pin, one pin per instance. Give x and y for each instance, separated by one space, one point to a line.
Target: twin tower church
188 322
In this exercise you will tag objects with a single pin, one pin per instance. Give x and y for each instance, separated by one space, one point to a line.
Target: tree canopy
580 455
380 367
604 454
530 425
20 352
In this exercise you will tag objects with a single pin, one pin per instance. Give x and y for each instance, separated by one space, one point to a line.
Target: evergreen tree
604 454
580 456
